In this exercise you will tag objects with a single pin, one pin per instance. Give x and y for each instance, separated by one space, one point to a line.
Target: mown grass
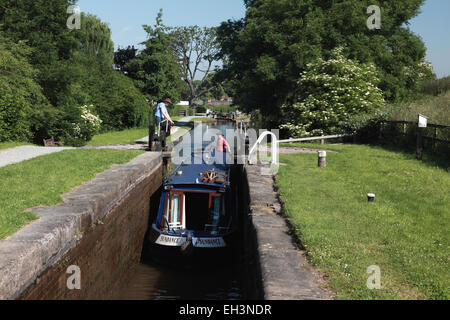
7 145
42 181
405 231
201 119
128 136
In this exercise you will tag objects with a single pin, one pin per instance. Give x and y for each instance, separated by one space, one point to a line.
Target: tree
113 96
123 56
43 24
95 38
197 49
20 95
329 93
155 69
265 53
396 51
71 68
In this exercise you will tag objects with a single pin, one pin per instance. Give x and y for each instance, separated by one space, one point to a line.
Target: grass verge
404 232
201 119
128 136
42 181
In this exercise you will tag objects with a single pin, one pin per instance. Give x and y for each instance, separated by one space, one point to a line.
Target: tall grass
436 108
436 86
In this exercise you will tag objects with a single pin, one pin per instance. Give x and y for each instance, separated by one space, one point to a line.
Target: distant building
222 102
183 103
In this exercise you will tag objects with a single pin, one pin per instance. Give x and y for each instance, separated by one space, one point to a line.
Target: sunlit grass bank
405 232
42 181
128 136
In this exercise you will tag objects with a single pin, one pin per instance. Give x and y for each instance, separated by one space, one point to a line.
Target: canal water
151 280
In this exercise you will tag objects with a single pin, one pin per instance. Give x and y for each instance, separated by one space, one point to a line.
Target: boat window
175 214
175 211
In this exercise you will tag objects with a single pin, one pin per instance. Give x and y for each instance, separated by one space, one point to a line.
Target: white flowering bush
329 94
91 122
85 126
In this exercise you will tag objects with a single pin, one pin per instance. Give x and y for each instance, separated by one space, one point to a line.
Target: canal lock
236 279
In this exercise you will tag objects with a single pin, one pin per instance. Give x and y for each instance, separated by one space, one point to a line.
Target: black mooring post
151 129
419 144
162 138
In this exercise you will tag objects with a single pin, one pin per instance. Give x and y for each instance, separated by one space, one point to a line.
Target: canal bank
98 230
101 230
282 271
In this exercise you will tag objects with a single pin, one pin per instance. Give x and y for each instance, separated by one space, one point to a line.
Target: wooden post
380 134
419 145
434 139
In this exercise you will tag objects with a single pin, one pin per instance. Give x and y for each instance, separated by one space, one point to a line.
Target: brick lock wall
106 252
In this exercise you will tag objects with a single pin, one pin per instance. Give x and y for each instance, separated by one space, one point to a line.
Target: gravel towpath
19 154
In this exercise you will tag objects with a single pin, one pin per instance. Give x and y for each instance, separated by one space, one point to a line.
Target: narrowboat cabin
196 212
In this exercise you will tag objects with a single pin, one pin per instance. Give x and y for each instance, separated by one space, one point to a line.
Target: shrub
365 127
20 95
200 109
84 126
120 104
329 93
13 115
117 101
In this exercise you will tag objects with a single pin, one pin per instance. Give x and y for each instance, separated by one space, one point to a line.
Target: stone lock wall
99 228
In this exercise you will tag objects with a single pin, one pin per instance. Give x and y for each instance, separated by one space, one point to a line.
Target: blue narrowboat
196 211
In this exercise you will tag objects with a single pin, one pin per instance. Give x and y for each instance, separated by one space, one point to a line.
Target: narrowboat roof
189 175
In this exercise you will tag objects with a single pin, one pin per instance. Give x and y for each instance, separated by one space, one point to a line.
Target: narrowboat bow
196 211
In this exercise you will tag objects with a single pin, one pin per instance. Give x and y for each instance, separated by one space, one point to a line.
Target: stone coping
285 272
37 246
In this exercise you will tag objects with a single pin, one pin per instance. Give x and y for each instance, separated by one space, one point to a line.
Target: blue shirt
159 110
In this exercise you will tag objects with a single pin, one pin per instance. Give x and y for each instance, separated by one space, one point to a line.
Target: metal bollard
322 159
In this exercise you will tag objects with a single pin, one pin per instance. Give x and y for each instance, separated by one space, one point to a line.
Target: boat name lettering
209 242
167 240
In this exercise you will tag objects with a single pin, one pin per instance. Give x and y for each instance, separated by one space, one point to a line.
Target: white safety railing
252 158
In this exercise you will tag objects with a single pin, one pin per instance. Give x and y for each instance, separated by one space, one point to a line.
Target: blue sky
127 17
433 26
